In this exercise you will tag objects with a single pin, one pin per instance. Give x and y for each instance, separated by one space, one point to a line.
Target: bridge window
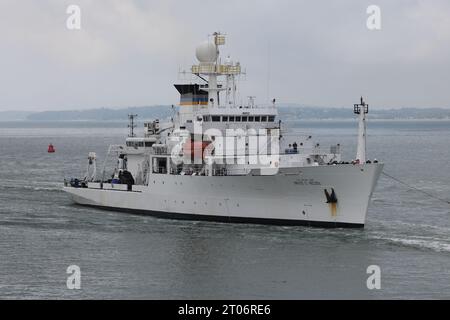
135 144
206 118
224 118
215 118
251 119
237 119
271 118
263 118
257 118
244 119
231 119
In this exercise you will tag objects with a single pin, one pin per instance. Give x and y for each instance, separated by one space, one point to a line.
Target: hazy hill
298 113
287 112
103 114
14 115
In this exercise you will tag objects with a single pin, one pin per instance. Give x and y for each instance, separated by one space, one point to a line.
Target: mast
361 110
132 125
211 66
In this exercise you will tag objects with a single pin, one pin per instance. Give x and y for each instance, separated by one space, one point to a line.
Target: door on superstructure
159 165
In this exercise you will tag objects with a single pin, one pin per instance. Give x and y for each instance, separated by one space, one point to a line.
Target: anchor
331 200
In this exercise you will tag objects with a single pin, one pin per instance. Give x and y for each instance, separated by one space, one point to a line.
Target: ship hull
295 196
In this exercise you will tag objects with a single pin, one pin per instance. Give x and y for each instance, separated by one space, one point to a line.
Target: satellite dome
206 52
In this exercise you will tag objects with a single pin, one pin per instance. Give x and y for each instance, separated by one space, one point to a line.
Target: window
271 118
237 119
148 143
231 119
263 118
257 118
251 118
224 118
244 119
206 118
215 118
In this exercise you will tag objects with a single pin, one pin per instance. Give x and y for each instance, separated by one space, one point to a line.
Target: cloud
110 30
128 52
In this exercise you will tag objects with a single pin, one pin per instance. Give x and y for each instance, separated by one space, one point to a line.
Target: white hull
295 196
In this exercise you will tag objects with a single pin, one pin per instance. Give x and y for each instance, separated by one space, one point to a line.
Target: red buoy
51 148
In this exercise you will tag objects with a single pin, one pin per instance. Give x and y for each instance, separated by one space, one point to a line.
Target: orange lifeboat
195 148
51 148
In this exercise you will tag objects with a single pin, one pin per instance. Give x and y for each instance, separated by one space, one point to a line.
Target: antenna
268 70
131 124
357 107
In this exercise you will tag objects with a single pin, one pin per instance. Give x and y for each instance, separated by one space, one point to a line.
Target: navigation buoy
51 148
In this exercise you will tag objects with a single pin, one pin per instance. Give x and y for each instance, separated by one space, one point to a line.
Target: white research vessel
223 160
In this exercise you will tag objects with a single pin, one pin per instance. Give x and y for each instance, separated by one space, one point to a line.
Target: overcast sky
128 52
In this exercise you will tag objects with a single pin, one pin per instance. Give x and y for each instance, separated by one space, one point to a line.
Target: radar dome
206 52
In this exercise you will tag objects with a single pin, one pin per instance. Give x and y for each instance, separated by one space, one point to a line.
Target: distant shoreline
283 120
288 113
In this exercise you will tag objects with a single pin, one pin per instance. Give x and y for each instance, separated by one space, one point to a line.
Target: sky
129 52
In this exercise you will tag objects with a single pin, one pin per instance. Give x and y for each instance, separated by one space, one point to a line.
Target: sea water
125 256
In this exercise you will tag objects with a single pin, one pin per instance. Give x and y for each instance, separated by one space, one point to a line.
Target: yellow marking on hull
333 208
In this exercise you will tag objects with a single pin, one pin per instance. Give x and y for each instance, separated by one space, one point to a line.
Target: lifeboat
51 148
195 148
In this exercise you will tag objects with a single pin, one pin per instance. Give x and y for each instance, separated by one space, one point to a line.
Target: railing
160 150
220 172
212 68
334 149
161 170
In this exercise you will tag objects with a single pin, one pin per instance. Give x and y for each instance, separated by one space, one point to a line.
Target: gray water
132 256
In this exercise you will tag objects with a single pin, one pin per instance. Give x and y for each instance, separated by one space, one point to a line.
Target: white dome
206 52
